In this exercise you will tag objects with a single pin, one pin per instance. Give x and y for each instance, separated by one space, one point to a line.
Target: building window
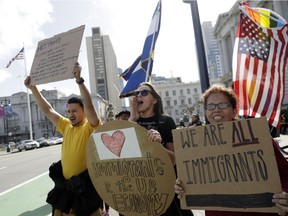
100 81
182 102
181 92
188 91
168 103
195 90
167 93
189 101
174 92
175 102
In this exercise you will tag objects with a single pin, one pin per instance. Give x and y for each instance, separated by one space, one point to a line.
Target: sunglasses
143 92
212 106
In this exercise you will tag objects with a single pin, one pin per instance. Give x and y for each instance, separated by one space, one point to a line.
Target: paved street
28 199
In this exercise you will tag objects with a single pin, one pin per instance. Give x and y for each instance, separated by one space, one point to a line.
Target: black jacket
77 193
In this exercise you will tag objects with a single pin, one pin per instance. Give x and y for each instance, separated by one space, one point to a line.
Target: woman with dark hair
147 111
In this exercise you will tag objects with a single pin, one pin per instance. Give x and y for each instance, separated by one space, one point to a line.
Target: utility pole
203 71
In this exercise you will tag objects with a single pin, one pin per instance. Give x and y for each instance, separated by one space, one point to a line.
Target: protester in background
220 104
124 115
181 123
147 111
195 120
117 117
73 192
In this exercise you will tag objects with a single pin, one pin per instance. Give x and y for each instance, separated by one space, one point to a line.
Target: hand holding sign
227 166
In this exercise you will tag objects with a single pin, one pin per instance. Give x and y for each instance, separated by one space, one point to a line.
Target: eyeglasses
212 106
143 93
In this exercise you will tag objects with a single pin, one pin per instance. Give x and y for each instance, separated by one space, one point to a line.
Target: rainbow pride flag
264 17
259 63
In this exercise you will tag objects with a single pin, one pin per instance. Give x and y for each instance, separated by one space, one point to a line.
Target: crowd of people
74 194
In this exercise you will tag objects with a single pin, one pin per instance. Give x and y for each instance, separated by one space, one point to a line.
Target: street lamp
6 104
203 71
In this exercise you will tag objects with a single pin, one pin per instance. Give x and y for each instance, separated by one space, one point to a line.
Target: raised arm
91 113
42 103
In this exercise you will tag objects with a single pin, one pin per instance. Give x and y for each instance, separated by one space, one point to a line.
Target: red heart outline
115 142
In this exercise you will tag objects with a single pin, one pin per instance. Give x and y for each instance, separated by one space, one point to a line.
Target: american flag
259 62
19 56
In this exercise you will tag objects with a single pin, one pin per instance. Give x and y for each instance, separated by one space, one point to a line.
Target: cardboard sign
55 57
228 166
132 175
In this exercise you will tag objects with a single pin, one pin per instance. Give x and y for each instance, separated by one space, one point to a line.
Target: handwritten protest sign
55 57
133 175
228 166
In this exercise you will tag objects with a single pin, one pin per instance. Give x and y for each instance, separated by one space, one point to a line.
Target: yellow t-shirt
73 155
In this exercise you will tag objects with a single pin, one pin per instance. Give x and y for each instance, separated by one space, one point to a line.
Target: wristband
80 81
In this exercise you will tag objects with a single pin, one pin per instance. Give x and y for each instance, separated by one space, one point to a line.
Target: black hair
123 112
76 100
195 114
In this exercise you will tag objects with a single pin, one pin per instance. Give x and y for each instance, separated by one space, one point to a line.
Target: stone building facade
15 126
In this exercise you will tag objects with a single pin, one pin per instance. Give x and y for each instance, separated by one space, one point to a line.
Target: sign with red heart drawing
113 144
128 171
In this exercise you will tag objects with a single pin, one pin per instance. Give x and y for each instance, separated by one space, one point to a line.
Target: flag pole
28 99
151 47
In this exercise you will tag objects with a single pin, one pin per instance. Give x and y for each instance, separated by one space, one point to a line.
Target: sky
26 22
